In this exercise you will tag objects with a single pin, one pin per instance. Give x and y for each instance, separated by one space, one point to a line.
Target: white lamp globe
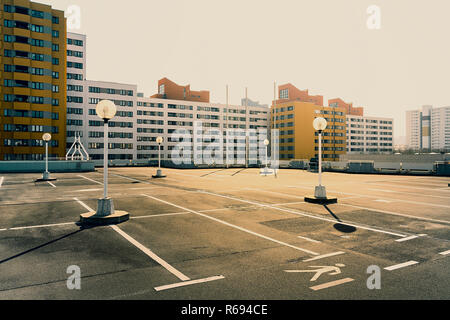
266 142
47 137
106 109
159 140
320 124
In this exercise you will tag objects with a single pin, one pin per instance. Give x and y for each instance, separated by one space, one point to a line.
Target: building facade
349 109
428 129
369 134
294 120
32 80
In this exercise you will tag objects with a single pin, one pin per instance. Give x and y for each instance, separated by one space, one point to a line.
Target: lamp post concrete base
266 172
159 174
320 197
105 215
45 177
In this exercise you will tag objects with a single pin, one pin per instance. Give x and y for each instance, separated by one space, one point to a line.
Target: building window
284 94
161 89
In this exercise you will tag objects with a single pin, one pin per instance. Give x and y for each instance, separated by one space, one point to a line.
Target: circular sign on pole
320 124
47 137
106 109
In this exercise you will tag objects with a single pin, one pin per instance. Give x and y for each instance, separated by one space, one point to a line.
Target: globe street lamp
46 175
106 214
159 174
320 193
266 172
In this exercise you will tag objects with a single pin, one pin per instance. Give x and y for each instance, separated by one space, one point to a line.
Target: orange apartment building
293 115
170 90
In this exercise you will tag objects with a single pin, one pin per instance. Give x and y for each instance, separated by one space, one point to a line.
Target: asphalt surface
225 234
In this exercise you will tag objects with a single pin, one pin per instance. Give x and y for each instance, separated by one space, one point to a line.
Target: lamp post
106 214
46 175
159 174
320 193
265 171
46 137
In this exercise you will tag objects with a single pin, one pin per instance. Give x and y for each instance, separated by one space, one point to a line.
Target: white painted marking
308 239
40 226
325 256
401 265
89 179
444 253
152 255
161 215
235 226
305 214
131 179
1 181
407 238
51 184
394 213
188 283
384 201
331 284
88 190
84 205
393 199
409 193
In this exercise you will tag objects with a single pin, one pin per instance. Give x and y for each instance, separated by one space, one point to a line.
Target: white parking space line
308 239
160 215
89 179
235 226
392 199
51 184
87 190
445 253
1 181
40 226
331 284
394 213
188 283
384 201
141 247
409 238
84 205
152 255
306 215
401 265
409 193
324 256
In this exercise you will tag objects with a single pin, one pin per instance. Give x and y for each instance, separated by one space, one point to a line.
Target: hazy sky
321 45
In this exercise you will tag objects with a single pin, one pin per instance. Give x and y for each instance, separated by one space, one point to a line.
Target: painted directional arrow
331 270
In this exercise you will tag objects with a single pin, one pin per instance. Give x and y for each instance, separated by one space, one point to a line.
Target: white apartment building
428 128
205 124
140 120
369 134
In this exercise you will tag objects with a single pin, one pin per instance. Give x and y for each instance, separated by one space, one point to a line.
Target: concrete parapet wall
39 166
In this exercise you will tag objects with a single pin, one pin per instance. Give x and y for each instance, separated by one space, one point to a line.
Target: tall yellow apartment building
293 115
33 80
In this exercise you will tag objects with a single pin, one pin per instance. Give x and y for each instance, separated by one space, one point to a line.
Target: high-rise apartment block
293 115
32 80
369 134
428 129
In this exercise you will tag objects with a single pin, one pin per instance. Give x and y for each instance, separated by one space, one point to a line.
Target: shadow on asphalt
339 226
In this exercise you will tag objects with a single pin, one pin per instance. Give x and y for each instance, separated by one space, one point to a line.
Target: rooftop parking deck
225 234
